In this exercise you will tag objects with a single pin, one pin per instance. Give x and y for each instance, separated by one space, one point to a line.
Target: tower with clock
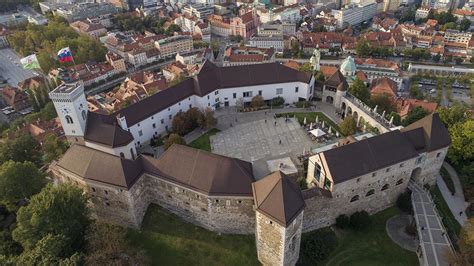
71 105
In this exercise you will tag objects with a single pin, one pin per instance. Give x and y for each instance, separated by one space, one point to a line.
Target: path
434 241
456 202
396 230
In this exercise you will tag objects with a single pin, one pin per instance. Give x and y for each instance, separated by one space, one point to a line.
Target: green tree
108 245
19 180
397 120
457 113
363 47
319 76
360 220
56 214
360 91
317 245
462 142
414 115
257 101
23 148
295 48
172 29
383 103
209 120
306 67
436 57
416 93
465 24
174 139
53 148
348 126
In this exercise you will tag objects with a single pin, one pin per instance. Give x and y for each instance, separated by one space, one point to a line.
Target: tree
457 113
278 101
363 47
209 120
107 245
414 115
416 93
342 221
295 48
465 243
239 104
465 24
53 148
360 220
319 76
458 60
397 120
56 214
317 245
215 47
23 148
257 101
172 29
462 142
174 139
180 124
306 67
383 103
19 180
360 91
348 126
436 57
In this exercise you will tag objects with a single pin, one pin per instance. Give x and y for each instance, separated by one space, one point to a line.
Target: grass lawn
311 117
203 142
370 247
168 240
447 179
448 218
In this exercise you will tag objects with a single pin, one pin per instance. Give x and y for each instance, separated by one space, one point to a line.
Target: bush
360 220
303 104
342 221
278 101
404 202
317 245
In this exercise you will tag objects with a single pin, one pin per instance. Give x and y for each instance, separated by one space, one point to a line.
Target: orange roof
361 76
292 64
384 86
328 70
404 106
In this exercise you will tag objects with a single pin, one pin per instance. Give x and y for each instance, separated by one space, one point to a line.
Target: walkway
396 230
456 202
434 241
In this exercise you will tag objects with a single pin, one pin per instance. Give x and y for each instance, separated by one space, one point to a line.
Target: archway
415 174
329 99
355 115
349 110
343 109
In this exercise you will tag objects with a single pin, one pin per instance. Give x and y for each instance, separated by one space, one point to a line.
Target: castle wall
269 240
431 165
293 240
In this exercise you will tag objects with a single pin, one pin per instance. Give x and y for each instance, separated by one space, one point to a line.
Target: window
122 155
279 91
216 92
106 192
227 203
208 97
239 201
260 93
247 94
162 121
190 106
358 180
385 187
138 124
93 189
387 170
154 125
438 154
140 133
217 201
327 184
297 89
69 119
217 100
170 116
317 172
401 165
374 174
420 159
234 95
370 192
355 198
152 118
399 182
84 114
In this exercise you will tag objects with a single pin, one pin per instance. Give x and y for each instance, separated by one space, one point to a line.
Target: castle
221 193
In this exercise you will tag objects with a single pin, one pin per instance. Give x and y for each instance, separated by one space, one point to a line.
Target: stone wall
270 240
293 241
431 165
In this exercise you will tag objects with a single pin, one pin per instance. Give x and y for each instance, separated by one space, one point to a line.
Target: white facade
127 151
276 42
355 14
71 105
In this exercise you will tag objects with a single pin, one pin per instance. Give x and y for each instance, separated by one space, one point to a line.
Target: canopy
317 132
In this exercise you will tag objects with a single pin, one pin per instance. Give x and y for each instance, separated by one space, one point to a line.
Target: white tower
71 105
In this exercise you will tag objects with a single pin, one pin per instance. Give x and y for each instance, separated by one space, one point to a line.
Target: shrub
278 101
303 104
342 221
404 202
317 245
360 220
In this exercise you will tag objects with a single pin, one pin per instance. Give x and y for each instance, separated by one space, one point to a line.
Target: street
11 69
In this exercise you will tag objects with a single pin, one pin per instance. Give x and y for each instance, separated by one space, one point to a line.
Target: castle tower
315 59
71 105
340 92
279 218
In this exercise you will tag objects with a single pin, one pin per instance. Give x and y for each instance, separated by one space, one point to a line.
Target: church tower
279 219
71 105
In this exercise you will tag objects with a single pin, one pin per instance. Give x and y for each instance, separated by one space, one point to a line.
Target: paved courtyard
257 140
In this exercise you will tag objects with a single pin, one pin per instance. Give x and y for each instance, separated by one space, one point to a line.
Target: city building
200 11
175 44
15 98
276 42
95 30
234 56
355 14
82 11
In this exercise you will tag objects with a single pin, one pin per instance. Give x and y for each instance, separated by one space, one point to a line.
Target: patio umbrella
304 121
323 123
311 125
317 132
337 134
317 119
330 129
375 109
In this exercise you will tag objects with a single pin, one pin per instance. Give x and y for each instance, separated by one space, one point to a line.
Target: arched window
122 155
69 119
131 152
84 114
355 198
385 187
370 192
400 181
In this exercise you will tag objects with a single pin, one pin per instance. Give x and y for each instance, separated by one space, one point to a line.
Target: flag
30 62
65 55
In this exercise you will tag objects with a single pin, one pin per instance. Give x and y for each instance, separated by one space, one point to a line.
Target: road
11 69
444 99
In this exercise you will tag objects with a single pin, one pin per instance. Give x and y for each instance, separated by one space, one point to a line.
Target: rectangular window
296 89
374 174
438 154
247 94
216 92
170 116
327 184
217 100
401 165
190 106
140 133
162 121
317 172
154 125
387 170
279 91
234 95
260 93
208 97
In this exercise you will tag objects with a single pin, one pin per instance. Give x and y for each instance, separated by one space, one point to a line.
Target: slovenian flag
65 55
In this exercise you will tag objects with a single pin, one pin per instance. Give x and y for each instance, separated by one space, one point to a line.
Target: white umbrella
317 132
330 129
317 119
323 123
337 134
311 125
304 121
